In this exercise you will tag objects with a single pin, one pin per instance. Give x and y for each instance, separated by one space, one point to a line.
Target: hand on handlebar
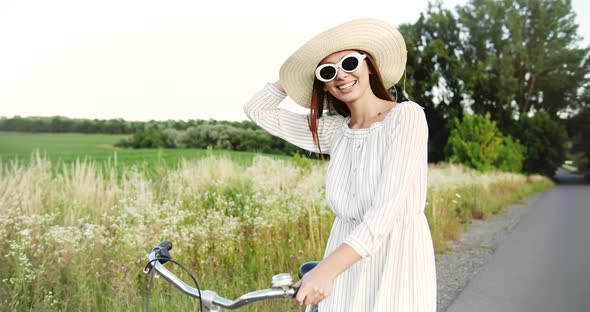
314 287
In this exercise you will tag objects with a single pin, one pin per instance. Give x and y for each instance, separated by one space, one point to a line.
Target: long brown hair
319 98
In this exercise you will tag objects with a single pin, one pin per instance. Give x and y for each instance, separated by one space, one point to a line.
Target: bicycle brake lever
163 255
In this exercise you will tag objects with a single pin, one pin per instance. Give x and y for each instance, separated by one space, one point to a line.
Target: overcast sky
145 59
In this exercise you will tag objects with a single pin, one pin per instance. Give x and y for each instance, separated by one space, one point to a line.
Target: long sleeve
263 109
404 168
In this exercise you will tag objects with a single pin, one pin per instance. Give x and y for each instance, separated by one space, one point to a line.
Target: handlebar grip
165 244
161 251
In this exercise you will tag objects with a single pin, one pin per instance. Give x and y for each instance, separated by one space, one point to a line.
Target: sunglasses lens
328 72
350 63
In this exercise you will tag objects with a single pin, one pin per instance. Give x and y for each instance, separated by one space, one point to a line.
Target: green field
69 147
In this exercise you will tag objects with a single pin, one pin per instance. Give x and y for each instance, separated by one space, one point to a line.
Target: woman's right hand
277 84
314 287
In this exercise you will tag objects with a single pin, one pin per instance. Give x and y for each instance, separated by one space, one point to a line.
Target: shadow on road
564 177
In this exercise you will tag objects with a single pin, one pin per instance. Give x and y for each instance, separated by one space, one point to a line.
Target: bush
579 132
216 136
171 137
545 141
124 143
475 142
150 138
511 155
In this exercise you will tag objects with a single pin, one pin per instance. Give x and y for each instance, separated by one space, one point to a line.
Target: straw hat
376 37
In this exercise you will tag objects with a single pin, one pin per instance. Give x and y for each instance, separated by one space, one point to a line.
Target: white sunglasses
349 63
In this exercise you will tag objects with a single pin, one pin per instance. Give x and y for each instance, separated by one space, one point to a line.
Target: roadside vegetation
77 238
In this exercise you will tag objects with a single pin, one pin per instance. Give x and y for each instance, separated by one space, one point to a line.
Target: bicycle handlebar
281 284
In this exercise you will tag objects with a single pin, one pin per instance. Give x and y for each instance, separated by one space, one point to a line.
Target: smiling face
347 87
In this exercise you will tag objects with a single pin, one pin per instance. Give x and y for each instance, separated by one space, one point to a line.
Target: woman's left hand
314 287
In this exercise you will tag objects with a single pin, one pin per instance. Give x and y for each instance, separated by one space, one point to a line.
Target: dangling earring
395 90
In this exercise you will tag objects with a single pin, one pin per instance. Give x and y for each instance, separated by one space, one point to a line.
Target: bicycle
281 284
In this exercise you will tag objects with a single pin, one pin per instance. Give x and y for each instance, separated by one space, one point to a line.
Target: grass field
76 239
69 147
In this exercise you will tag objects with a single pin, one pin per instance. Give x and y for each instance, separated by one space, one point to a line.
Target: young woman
379 256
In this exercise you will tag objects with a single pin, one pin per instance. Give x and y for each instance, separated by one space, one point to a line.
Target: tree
434 72
545 142
523 56
578 128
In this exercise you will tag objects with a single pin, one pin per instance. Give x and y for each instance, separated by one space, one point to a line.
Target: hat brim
376 37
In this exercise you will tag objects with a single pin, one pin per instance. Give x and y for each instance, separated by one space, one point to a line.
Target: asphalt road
544 265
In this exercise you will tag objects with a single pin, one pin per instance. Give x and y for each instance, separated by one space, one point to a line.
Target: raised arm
263 109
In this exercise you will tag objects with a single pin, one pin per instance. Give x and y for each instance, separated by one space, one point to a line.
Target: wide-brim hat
376 37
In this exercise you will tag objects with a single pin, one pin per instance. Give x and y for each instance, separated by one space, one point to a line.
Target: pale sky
146 59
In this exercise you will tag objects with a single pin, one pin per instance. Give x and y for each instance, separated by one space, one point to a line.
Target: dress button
358 146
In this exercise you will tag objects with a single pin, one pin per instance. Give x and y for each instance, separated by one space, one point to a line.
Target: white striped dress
376 186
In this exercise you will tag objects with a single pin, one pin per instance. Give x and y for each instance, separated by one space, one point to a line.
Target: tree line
60 124
241 136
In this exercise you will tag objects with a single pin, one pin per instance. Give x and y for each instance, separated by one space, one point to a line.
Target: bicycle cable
149 290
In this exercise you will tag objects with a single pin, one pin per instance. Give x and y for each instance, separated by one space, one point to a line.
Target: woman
379 256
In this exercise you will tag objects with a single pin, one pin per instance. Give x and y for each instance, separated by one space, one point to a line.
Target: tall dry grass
77 237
